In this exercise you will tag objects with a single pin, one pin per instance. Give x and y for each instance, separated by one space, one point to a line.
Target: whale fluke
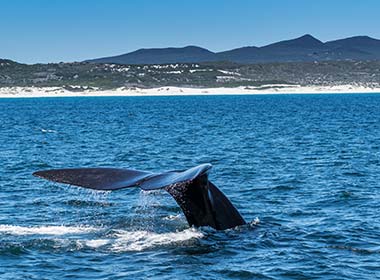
202 203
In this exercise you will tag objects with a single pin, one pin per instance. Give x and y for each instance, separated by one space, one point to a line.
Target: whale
202 203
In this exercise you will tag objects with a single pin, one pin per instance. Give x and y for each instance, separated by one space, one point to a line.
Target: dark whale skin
202 203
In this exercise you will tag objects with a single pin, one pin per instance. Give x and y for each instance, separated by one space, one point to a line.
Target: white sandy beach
25 92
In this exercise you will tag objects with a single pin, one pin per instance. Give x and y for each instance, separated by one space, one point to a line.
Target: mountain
306 41
367 46
303 49
161 56
307 48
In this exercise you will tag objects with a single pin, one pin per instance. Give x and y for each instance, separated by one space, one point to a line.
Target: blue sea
303 170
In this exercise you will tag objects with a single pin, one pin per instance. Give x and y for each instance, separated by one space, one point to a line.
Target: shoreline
37 92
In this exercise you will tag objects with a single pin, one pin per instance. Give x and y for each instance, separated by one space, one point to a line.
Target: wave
48 130
115 241
143 240
45 230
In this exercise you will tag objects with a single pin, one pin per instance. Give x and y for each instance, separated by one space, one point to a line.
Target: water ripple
307 166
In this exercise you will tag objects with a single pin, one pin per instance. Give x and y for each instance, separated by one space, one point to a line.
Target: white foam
96 243
173 217
6 92
142 240
44 230
256 221
48 131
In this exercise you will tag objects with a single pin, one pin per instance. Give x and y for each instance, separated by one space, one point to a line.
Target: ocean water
303 170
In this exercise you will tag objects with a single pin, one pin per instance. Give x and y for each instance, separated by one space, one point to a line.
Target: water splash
143 240
45 230
146 211
173 217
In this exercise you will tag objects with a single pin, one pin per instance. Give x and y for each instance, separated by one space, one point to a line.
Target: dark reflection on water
307 166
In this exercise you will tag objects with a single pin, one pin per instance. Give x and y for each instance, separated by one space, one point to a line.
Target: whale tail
202 203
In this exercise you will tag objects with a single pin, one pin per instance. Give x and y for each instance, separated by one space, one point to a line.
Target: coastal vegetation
83 75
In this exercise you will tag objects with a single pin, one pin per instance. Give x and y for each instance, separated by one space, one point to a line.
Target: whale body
202 203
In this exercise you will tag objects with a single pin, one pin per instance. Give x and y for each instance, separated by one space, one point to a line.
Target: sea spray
85 205
145 213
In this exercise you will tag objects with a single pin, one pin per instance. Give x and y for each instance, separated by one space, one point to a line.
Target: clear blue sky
73 30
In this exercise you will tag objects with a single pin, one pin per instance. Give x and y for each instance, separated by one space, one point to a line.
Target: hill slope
161 56
303 49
